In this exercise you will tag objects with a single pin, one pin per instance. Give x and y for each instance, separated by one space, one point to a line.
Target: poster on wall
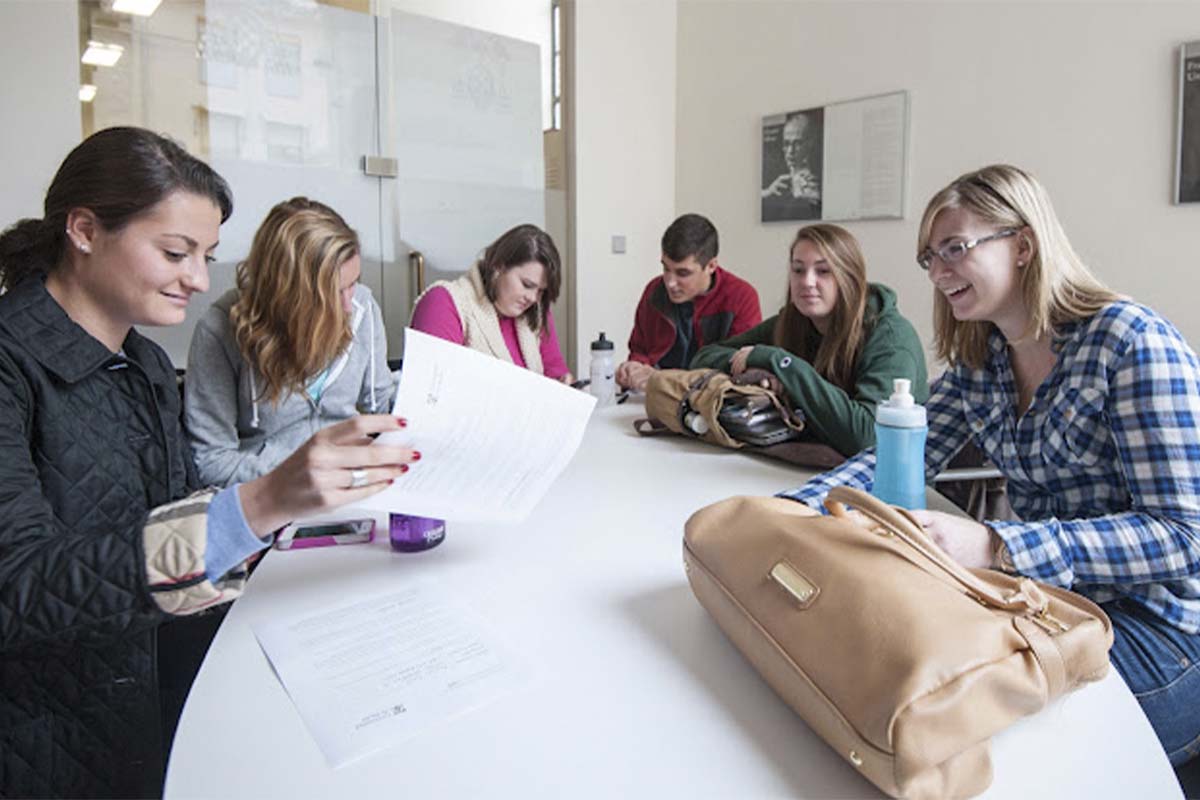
841 161
792 148
1187 170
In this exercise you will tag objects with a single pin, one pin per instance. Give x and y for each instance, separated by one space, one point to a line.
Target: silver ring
358 477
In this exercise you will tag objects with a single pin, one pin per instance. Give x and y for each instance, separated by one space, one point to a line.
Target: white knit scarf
481 323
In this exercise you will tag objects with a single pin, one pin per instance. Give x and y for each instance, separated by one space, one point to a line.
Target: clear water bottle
900 429
603 372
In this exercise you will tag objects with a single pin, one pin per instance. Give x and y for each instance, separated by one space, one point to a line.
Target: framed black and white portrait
792 165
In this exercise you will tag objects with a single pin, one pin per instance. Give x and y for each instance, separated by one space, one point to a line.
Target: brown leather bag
672 393
903 661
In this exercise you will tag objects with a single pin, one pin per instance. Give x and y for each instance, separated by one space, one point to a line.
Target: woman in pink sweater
501 305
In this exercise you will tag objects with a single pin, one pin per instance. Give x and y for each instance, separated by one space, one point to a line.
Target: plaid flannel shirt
1103 468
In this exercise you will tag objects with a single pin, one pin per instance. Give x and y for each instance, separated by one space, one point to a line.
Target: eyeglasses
956 251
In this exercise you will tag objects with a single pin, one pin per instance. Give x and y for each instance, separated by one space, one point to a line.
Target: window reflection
254 80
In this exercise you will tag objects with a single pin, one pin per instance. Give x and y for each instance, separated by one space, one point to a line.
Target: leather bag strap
685 402
650 427
899 522
1054 666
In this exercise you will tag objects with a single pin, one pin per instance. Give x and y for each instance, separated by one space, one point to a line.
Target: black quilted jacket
89 442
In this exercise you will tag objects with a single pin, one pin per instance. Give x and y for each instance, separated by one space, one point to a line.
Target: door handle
379 166
416 267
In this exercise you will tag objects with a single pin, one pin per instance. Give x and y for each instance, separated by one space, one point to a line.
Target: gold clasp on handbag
799 587
1050 623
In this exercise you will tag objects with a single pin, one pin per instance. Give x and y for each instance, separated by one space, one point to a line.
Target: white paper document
375 672
493 436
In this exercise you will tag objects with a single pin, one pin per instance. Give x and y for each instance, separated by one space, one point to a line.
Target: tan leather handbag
903 661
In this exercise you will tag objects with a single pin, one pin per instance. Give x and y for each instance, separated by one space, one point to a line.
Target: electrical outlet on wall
618 243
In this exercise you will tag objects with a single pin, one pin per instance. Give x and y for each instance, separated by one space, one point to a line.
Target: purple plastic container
411 534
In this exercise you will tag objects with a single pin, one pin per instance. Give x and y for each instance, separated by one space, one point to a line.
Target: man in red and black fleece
693 303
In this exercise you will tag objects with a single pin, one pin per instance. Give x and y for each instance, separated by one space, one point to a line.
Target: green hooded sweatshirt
844 420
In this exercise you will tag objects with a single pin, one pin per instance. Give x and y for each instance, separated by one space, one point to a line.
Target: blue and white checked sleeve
857 472
1153 409
948 431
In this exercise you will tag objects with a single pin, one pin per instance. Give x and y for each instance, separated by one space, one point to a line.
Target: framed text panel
841 161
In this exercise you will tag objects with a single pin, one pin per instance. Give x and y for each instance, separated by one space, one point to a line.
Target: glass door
292 110
426 136
281 98
464 123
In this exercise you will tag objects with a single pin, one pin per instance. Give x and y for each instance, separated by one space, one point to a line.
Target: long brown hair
515 247
288 320
834 355
1056 286
118 174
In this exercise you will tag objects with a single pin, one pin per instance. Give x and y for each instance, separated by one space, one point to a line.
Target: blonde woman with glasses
835 346
1088 403
297 346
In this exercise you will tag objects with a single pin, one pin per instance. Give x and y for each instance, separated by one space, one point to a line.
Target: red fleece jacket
727 309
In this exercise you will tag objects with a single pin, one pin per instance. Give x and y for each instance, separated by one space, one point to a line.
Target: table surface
636 690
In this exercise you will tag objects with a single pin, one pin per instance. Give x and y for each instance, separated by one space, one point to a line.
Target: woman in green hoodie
834 348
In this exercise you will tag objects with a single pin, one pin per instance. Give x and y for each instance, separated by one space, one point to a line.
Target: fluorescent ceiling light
87 92
99 54
142 8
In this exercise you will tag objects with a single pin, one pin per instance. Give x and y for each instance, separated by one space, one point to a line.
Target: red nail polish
402 422
403 468
416 455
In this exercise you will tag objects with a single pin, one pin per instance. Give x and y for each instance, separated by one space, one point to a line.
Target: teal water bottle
900 430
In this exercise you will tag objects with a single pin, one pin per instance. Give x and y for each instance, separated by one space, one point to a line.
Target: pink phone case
328 541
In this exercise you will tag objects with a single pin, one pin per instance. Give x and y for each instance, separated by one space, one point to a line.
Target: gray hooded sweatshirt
235 435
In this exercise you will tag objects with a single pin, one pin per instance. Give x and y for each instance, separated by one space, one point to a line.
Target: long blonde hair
835 355
1056 286
288 320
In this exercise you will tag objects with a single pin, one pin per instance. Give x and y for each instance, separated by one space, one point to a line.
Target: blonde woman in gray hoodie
299 345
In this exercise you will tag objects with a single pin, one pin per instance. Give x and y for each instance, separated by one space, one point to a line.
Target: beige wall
1081 93
624 90
39 92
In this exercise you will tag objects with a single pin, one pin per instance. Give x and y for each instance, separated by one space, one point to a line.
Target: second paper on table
493 436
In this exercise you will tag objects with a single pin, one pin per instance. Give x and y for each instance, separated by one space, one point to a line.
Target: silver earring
83 248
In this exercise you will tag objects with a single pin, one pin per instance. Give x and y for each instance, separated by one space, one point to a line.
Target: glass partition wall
425 136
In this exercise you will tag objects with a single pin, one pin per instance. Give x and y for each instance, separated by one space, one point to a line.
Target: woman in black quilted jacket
104 533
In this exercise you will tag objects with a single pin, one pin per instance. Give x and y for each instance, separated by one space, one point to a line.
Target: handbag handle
651 427
899 522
